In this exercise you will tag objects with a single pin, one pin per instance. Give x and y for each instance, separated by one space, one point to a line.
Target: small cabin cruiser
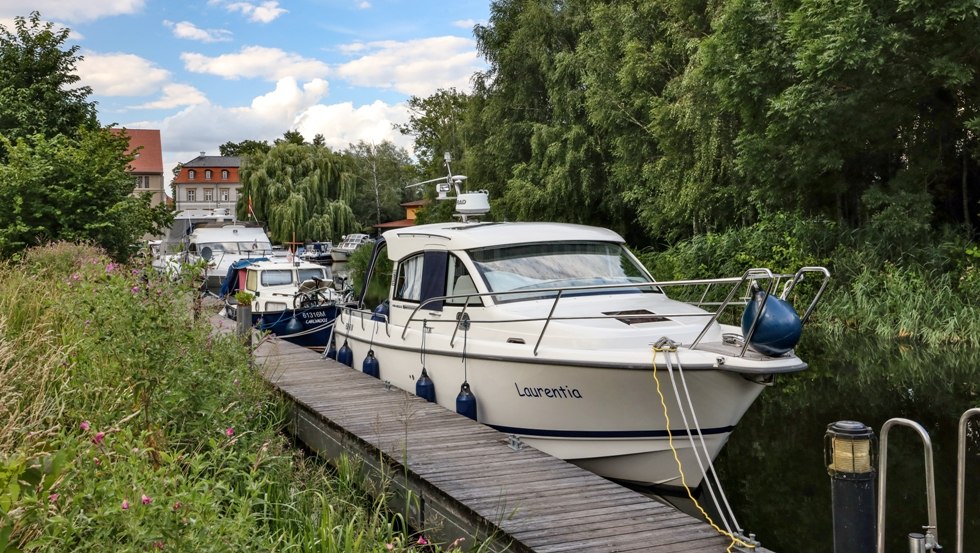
295 300
351 242
558 335
222 244
318 252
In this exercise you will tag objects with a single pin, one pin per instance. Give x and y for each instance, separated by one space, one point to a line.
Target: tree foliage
243 148
62 176
75 189
300 191
380 173
37 96
672 118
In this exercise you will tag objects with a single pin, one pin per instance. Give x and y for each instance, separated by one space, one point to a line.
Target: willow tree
301 191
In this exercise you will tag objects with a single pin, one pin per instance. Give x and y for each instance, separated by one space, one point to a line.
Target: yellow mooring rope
677 459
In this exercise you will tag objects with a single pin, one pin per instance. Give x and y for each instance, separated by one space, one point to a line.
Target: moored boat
351 242
557 334
295 300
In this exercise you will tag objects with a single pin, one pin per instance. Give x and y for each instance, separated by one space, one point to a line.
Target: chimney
202 154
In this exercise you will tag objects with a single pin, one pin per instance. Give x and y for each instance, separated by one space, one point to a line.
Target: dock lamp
849 448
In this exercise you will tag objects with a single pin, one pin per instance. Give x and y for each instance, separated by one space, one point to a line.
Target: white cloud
176 95
70 10
189 31
464 23
266 12
364 5
416 67
343 124
113 74
256 61
205 126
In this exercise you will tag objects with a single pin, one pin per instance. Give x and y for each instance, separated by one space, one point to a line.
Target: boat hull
308 327
339 256
606 419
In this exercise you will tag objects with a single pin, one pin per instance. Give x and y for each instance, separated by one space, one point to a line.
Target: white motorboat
351 242
222 244
295 300
555 333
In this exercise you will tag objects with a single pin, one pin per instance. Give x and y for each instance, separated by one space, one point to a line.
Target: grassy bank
891 281
127 426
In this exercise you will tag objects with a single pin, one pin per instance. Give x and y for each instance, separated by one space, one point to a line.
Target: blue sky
209 71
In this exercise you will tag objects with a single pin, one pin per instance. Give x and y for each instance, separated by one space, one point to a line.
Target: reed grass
127 426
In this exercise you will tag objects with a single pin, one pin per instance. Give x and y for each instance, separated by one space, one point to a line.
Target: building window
209 194
224 174
142 181
225 195
191 174
207 174
192 194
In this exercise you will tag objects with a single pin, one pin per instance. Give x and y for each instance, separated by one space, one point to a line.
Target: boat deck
460 478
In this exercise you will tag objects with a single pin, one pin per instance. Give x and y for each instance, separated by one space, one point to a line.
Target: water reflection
773 468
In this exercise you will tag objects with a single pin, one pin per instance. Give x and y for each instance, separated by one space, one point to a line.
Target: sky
205 72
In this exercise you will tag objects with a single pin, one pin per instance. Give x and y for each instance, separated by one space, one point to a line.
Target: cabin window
408 286
191 174
537 271
277 277
275 306
207 174
307 274
224 174
252 280
459 283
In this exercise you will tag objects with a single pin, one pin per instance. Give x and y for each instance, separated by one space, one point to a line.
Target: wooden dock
458 478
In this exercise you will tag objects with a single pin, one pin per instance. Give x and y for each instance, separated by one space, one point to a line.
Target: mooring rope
735 540
707 475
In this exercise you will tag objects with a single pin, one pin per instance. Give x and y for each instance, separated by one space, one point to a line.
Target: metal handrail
932 532
961 475
736 282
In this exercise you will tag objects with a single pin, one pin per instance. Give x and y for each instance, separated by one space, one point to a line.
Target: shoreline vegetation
127 426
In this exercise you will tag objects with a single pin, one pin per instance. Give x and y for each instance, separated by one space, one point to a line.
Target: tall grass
127 426
922 288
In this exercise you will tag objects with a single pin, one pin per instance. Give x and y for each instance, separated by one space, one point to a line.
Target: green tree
37 96
76 189
436 123
244 148
300 191
62 176
380 173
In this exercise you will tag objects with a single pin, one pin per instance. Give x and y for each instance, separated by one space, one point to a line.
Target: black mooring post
848 454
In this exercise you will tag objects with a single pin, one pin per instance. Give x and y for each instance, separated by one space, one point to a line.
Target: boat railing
736 294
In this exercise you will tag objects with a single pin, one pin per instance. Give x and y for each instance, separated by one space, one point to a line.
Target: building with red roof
147 167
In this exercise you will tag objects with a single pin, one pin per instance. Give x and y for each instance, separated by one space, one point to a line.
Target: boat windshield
558 265
307 274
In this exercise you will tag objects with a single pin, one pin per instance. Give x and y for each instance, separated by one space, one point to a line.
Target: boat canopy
230 277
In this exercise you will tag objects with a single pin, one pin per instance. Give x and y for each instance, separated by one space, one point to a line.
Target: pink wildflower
389 546
84 426
457 542
99 436
110 267
423 541
177 505
76 277
158 545
97 461
52 498
146 499
229 432
135 289
125 505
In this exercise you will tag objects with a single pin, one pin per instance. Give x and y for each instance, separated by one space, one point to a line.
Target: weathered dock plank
460 478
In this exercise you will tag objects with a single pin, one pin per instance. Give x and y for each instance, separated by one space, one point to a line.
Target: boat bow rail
717 297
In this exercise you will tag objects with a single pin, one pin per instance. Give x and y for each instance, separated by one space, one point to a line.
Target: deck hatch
636 316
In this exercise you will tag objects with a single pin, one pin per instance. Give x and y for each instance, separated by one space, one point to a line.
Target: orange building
208 183
410 210
147 167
